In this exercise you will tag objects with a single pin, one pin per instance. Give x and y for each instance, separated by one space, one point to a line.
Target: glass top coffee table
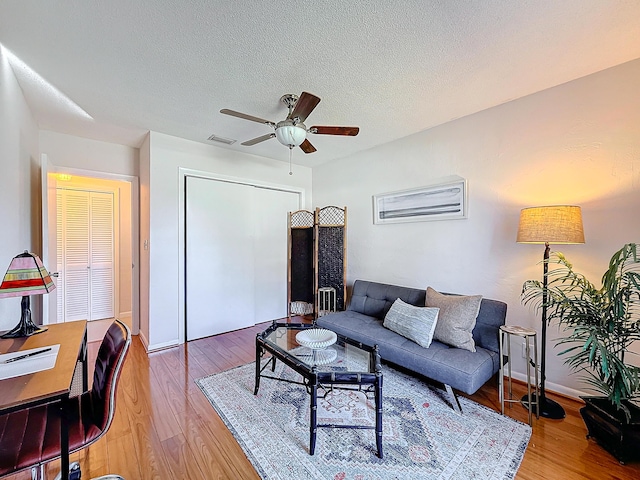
344 364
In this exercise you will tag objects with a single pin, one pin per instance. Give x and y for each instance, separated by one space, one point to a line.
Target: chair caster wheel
74 472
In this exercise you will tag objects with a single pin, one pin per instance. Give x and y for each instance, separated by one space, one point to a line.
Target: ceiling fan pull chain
290 151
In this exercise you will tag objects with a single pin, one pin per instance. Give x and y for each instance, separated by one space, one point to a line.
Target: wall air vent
215 138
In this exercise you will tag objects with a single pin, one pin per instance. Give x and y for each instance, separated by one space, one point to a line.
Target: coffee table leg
313 420
258 357
378 395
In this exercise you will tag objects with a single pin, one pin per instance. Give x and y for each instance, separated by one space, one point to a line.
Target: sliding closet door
270 250
236 267
219 286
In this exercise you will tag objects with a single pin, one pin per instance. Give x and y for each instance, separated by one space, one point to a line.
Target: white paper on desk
37 363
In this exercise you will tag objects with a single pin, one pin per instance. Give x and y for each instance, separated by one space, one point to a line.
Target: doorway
125 286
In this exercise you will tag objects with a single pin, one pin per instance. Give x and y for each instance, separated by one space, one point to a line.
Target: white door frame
183 173
48 184
135 227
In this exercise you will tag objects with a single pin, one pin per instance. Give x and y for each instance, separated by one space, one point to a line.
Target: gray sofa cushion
375 299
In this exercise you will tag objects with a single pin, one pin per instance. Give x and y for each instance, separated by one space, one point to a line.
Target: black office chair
30 438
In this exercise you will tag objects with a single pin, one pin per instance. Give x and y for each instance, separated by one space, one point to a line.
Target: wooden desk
48 385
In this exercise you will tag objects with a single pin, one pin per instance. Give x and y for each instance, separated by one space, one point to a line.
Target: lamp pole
547 407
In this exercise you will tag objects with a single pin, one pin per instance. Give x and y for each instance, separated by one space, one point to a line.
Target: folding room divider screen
317 258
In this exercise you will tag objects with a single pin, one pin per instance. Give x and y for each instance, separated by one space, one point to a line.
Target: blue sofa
456 368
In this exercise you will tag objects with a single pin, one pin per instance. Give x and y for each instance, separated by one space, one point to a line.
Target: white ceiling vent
215 138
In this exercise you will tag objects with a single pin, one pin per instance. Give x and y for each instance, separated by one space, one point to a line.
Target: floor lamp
558 224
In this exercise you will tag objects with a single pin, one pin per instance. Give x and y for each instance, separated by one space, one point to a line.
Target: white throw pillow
414 323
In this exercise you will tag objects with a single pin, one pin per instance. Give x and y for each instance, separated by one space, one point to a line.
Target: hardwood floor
164 427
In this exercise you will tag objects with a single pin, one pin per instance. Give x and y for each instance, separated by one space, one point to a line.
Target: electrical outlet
524 350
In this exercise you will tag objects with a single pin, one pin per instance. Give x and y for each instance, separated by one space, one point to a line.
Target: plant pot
611 429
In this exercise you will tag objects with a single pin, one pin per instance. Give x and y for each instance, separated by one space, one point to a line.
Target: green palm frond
600 323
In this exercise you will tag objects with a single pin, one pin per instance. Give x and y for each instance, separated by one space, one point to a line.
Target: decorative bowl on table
317 357
316 338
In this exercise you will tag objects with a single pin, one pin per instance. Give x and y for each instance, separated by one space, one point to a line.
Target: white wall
145 176
165 258
578 143
86 154
19 186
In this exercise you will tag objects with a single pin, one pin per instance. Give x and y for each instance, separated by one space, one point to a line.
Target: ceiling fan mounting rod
290 100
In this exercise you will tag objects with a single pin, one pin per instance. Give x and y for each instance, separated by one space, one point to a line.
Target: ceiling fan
292 132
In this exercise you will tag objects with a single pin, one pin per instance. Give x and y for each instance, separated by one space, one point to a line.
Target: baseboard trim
553 387
160 346
143 339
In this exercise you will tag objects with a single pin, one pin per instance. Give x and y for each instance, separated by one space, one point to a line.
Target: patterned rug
423 437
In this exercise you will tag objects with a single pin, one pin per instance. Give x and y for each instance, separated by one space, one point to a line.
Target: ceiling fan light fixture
290 134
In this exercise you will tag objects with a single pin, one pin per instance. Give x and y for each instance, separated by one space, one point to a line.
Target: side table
326 300
530 338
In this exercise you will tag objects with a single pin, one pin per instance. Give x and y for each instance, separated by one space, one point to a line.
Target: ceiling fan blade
253 141
233 113
307 147
304 106
320 130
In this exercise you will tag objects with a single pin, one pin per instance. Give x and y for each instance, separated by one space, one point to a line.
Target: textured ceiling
391 67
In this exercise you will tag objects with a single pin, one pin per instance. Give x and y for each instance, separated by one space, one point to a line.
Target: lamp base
548 408
24 329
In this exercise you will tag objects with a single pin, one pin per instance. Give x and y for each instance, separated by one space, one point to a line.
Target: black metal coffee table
352 365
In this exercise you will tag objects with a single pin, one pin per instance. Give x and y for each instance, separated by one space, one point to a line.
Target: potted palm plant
600 324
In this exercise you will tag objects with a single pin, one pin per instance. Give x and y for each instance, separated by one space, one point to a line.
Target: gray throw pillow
414 323
456 319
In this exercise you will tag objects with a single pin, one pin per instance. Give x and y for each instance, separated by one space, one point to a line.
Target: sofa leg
455 403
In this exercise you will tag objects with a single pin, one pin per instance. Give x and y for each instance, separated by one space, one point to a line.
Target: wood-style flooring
165 428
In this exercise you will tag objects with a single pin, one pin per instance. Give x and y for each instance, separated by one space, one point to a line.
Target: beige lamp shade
557 224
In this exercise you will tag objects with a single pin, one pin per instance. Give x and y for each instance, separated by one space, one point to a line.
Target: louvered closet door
86 251
75 256
101 256
60 289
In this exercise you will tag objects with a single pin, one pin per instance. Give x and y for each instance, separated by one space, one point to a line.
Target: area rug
423 437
